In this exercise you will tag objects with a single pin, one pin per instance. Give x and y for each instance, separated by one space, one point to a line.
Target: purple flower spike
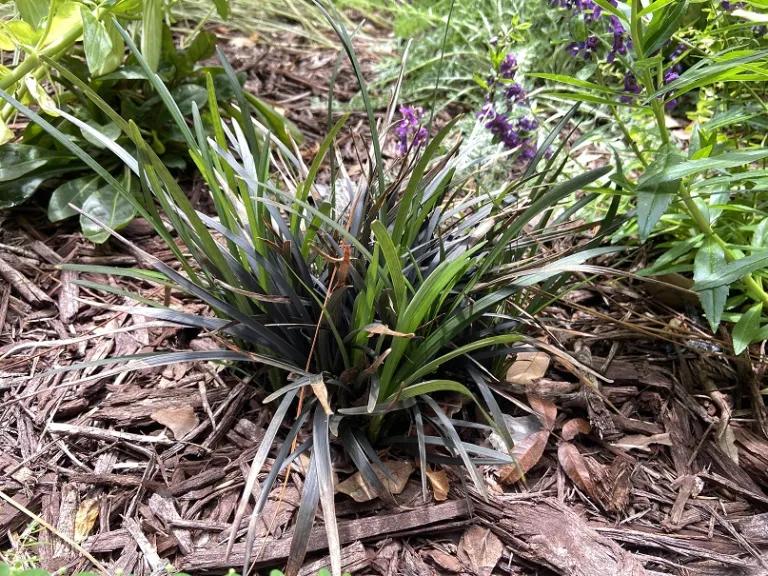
410 125
515 93
508 67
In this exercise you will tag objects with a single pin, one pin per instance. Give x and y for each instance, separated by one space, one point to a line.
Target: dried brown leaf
180 420
480 550
440 484
445 561
320 390
358 489
575 467
85 519
727 443
526 453
574 427
384 330
527 367
544 409
641 442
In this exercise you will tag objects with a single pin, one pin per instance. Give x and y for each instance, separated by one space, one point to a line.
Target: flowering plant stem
754 287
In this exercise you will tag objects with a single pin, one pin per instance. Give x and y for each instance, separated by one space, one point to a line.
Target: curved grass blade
258 463
277 465
453 436
310 497
322 458
358 455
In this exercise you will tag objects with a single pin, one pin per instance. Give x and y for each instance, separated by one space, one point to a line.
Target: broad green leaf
733 271
16 31
110 131
654 192
71 192
109 206
747 328
67 16
709 261
124 7
103 45
33 11
19 159
202 47
17 191
222 7
152 32
39 95
186 94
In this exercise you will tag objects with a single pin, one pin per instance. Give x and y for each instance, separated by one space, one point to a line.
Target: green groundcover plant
702 195
356 306
38 161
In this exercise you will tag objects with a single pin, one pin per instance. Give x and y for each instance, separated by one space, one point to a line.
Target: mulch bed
668 477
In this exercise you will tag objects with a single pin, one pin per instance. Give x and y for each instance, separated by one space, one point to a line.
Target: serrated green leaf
747 328
71 192
709 261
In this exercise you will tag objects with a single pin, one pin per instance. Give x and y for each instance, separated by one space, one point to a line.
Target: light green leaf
110 131
108 206
6 134
721 162
104 46
67 17
152 32
733 271
760 235
710 260
747 328
16 32
33 11
71 192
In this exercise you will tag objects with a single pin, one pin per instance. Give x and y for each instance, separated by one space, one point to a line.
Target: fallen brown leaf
357 488
574 427
526 453
180 420
575 467
545 410
440 484
445 561
527 367
480 550
86 516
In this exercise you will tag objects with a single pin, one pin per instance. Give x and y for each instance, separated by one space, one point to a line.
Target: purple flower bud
528 124
515 93
410 125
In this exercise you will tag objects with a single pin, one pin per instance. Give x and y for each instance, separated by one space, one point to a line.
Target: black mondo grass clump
354 306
